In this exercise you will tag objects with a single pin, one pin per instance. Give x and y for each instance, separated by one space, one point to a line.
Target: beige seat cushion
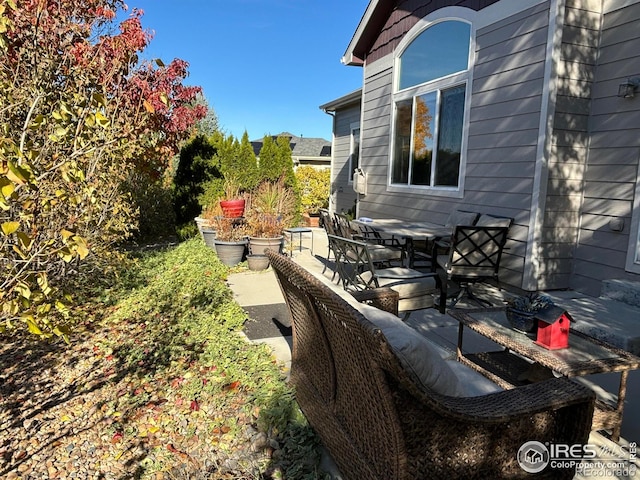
430 365
381 253
459 217
414 289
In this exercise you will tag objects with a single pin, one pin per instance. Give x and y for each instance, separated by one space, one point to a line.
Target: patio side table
585 356
300 230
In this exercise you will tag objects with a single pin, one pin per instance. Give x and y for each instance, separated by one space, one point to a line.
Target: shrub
196 169
83 124
314 187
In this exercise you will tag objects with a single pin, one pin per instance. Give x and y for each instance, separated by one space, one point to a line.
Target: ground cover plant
157 382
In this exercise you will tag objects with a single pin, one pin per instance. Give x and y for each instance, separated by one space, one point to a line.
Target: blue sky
265 65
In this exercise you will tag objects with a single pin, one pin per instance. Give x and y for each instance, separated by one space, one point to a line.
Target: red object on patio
553 328
233 208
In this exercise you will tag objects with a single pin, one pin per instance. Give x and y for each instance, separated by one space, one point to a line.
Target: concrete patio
271 325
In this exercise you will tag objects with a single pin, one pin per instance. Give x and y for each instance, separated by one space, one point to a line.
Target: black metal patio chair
380 252
357 271
474 255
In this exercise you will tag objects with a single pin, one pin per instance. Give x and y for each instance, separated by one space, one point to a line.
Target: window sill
451 192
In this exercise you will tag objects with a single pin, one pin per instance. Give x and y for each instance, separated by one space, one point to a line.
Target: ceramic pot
233 208
257 262
259 246
230 253
208 235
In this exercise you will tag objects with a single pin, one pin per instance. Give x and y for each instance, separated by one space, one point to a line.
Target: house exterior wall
568 150
405 14
611 174
549 143
343 198
504 122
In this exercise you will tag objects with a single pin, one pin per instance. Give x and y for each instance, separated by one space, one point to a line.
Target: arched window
429 106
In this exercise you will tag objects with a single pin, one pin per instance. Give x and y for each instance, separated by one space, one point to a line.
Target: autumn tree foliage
85 128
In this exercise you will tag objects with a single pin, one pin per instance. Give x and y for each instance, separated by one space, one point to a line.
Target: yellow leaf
148 107
66 254
164 99
19 252
7 188
65 234
16 174
10 227
33 326
23 290
65 418
83 251
25 240
102 120
153 429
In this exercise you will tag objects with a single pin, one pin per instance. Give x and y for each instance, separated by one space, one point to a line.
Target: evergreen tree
195 168
285 161
268 164
248 176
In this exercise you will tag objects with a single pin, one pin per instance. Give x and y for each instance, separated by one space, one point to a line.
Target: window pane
402 142
450 136
440 50
355 149
424 128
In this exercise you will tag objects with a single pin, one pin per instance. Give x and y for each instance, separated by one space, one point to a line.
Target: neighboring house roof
301 147
344 101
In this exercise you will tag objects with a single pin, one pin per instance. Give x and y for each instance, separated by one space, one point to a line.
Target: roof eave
348 99
373 18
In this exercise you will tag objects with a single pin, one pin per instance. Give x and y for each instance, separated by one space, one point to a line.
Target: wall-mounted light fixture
628 88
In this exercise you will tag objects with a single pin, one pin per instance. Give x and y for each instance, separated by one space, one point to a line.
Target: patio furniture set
388 403
376 390
372 253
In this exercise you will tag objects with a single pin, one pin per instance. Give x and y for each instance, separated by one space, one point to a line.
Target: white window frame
436 85
352 128
633 251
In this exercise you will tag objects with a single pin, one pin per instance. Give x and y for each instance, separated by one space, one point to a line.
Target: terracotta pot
233 208
311 220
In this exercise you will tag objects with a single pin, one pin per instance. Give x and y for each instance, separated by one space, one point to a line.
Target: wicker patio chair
377 423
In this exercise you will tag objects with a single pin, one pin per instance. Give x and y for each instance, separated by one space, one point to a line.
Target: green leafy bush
314 187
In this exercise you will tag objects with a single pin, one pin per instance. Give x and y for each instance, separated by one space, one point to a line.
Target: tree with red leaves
83 124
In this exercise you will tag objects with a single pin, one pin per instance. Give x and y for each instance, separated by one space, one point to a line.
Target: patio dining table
409 230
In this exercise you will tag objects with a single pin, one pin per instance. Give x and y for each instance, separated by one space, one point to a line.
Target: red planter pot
232 208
